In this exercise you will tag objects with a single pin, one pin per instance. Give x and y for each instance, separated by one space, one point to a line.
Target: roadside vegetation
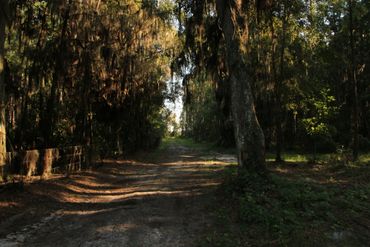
283 85
299 203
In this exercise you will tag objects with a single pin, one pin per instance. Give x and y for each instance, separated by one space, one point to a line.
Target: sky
177 105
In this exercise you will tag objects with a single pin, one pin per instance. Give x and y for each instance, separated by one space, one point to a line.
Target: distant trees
303 64
353 79
95 73
88 72
202 118
4 20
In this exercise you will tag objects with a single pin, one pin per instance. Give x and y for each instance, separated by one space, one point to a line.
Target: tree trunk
278 91
278 80
52 103
3 20
118 141
86 138
248 133
353 79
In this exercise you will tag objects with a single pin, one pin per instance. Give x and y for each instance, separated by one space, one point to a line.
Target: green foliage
184 142
284 211
299 65
320 110
341 157
94 70
201 118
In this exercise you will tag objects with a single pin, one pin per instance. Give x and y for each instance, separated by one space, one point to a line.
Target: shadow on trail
158 200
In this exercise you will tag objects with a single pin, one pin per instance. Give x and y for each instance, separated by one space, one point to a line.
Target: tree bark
353 79
277 107
3 21
51 111
249 136
278 91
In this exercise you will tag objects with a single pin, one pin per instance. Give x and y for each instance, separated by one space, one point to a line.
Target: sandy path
125 203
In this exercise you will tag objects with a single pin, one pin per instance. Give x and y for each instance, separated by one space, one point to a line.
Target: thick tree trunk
248 133
3 21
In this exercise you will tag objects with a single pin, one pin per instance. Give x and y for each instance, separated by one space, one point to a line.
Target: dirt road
162 201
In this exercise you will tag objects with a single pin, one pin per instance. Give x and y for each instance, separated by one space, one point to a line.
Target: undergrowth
285 211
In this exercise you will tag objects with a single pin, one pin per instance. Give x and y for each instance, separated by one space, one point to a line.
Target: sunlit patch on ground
158 198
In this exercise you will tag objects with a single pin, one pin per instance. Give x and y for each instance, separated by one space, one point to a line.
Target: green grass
205 147
324 158
289 157
327 204
186 142
365 158
322 204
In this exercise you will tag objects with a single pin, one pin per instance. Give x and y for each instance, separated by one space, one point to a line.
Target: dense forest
307 66
86 72
97 73
269 147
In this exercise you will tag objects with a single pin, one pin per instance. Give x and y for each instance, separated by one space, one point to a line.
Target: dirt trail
163 202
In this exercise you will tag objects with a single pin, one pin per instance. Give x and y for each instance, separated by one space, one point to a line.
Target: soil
161 199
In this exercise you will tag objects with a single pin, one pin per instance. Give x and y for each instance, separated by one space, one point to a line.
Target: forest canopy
271 148
307 63
78 72
260 75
